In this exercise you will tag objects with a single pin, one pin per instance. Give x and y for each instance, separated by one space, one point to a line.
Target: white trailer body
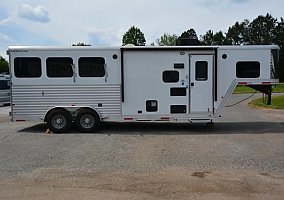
90 85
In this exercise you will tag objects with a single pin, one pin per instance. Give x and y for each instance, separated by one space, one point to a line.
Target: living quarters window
27 67
171 76
59 67
91 67
248 69
201 71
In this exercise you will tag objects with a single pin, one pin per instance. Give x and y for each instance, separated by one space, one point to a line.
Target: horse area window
27 67
91 67
59 67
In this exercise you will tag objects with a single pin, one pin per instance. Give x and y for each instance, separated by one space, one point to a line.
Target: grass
277 102
245 89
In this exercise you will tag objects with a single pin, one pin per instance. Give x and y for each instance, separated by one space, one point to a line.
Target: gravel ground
241 158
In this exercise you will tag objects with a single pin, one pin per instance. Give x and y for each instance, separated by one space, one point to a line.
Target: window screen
201 71
59 67
248 69
170 76
27 67
92 67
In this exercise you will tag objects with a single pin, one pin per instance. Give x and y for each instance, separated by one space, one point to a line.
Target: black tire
59 121
87 121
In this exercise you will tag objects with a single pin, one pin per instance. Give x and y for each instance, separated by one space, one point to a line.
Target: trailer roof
137 48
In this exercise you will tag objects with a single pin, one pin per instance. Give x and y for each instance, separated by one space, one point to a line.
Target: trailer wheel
87 121
59 121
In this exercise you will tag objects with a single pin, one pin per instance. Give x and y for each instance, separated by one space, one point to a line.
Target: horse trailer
90 85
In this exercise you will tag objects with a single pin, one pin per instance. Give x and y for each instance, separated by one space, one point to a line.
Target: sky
103 22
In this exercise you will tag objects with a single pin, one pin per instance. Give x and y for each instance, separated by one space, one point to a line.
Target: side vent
178 109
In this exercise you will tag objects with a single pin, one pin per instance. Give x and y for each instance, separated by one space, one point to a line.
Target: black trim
215 74
122 75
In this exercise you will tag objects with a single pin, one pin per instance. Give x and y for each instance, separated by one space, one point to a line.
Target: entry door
201 83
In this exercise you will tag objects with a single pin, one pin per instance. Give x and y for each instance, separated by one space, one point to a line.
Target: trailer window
248 69
151 105
171 76
91 67
201 71
59 67
27 67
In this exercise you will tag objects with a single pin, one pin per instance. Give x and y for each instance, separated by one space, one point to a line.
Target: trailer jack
266 89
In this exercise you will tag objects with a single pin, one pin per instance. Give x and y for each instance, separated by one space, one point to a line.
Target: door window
201 70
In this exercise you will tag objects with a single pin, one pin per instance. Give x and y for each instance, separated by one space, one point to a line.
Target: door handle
191 84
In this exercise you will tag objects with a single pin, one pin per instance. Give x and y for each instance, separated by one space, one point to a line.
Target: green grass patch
245 89
277 102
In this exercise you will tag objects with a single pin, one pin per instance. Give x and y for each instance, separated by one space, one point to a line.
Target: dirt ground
44 184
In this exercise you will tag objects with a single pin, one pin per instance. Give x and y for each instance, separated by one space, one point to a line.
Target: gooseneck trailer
90 85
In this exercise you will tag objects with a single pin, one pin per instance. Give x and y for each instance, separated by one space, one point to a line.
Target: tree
208 38
218 38
263 30
81 44
279 40
213 39
134 36
279 34
238 33
190 34
4 66
167 40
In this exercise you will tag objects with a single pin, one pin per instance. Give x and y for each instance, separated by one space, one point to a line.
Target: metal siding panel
33 101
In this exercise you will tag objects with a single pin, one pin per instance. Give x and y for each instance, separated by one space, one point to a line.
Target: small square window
171 76
151 105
